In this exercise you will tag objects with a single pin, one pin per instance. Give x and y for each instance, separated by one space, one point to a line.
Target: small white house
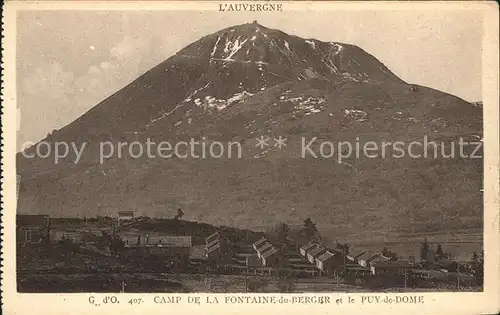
304 249
325 262
365 259
353 257
212 237
125 215
314 253
270 257
263 248
259 243
214 252
253 261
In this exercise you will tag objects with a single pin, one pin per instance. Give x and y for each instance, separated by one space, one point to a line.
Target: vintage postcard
243 157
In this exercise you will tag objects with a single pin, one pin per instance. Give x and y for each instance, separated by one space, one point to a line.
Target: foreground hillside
249 81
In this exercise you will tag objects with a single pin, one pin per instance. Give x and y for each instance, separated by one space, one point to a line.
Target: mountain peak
244 82
229 65
261 48
249 27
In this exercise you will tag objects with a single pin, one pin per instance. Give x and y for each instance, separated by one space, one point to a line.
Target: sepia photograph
147 175
251 148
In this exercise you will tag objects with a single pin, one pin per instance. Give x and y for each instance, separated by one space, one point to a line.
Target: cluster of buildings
37 229
261 256
330 262
33 229
216 247
147 244
326 261
266 252
376 263
311 259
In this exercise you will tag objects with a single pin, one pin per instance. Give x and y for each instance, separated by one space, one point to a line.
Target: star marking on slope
262 142
280 142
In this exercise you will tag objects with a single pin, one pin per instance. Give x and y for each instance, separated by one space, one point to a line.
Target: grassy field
184 283
87 268
459 244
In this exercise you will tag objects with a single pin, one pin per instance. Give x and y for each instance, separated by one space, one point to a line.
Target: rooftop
445 262
259 242
356 255
308 246
269 252
316 251
212 243
325 256
161 240
126 212
392 264
263 247
39 220
367 256
213 248
215 234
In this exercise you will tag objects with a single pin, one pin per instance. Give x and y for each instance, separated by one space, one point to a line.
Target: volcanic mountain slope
246 81
222 68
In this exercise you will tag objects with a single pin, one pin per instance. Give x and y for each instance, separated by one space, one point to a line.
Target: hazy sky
69 61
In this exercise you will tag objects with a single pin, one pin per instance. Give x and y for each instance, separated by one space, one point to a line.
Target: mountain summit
226 66
295 58
248 81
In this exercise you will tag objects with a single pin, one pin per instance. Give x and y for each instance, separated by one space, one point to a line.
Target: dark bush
256 284
286 284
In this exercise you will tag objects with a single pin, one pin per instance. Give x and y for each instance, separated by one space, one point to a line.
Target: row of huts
266 252
378 264
36 229
216 247
375 263
327 261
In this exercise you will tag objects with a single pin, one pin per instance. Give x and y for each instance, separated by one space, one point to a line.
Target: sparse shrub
256 284
286 284
350 279
296 130
68 245
377 283
360 282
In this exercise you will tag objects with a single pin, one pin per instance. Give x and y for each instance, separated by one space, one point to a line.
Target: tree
310 229
104 240
68 246
116 245
439 252
278 234
344 248
477 264
424 250
475 259
112 242
256 284
393 256
179 214
282 234
309 224
285 284
385 252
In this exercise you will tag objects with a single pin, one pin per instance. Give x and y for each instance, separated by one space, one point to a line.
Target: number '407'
135 301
